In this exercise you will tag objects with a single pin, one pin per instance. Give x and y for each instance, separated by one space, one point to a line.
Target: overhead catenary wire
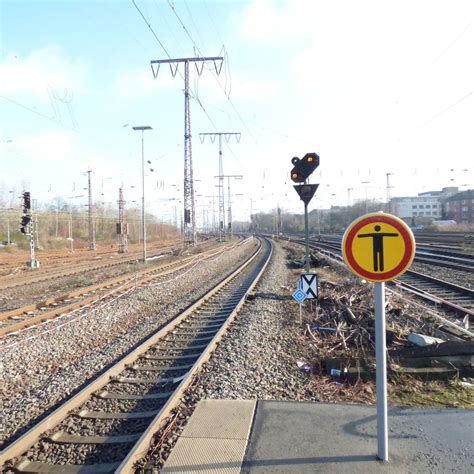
169 57
450 45
441 112
214 75
51 119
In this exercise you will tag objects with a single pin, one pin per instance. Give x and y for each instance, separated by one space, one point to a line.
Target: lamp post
366 196
142 129
71 238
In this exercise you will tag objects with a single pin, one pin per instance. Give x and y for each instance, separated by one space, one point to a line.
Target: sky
373 87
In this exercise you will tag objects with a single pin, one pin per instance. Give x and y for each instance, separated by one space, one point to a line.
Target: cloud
140 83
47 146
42 73
268 22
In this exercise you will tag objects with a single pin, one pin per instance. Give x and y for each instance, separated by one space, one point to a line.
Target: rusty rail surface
141 446
121 284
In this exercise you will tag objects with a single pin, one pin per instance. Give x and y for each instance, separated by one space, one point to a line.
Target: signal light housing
25 220
26 201
303 168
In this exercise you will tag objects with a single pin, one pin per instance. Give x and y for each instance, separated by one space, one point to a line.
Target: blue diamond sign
299 296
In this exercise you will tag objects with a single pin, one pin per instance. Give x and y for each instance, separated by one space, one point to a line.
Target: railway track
109 425
452 297
51 258
454 260
54 274
15 320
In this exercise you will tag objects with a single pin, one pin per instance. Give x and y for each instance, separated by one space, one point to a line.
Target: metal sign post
306 238
299 296
381 372
379 247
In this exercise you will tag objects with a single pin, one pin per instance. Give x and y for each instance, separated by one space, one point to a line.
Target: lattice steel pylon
227 136
122 228
90 221
189 220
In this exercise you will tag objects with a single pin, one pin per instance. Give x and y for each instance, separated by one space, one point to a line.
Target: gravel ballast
262 356
44 365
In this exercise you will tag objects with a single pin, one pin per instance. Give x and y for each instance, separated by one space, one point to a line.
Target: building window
422 214
464 208
428 206
415 213
421 206
414 207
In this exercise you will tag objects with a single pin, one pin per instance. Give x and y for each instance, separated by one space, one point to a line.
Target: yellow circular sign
378 247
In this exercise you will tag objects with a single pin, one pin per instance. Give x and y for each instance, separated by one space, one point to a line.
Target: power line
151 29
184 26
213 23
441 112
35 112
215 77
194 24
450 45
169 57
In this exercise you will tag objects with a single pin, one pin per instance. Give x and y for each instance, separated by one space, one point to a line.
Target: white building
427 205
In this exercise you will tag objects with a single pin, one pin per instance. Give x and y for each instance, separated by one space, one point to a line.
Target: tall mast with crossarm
189 227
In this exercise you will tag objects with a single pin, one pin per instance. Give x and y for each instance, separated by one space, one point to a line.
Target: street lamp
71 238
142 129
366 195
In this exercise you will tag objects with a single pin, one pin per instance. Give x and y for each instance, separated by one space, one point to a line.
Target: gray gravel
263 355
258 357
46 365
457 277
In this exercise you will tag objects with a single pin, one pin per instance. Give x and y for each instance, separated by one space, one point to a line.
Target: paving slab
214 440
308 437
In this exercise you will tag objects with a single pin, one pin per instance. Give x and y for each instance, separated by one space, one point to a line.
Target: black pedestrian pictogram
377 241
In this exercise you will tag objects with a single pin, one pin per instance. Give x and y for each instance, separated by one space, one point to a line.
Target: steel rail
52 258
410 279
55 273
466 264
122 284
335 252
34 434
60 273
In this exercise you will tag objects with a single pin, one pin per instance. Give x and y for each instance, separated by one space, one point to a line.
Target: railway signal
26 201
304 167
26 218
26 227
306 191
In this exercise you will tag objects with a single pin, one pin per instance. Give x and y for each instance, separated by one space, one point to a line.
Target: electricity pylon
227 136
189 226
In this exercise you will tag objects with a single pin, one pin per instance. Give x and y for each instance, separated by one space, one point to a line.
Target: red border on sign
407 257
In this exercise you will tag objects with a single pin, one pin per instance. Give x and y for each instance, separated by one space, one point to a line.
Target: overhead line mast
90 221
189 228
227 136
